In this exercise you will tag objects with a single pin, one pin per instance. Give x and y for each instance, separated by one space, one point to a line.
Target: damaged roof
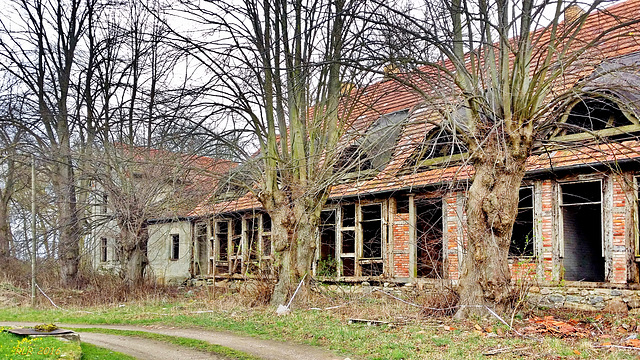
612 65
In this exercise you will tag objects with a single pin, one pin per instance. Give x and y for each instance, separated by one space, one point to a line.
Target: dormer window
592 114
373 151
440 145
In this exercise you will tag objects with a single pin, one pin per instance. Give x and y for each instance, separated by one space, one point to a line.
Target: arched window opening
439 145
593 114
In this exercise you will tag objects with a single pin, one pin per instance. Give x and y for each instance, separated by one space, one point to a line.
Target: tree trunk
68 248
492 206
5 232
294 239
134 252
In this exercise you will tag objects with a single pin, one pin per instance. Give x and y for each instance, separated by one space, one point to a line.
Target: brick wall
546 228
618 216
401 245
452 235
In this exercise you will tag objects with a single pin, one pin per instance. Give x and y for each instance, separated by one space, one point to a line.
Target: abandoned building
402 218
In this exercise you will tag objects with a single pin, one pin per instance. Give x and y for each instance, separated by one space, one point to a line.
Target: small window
103 205
103 249
175 246
522 239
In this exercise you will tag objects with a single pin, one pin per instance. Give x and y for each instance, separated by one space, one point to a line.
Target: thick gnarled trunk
294 239
492 207
134 253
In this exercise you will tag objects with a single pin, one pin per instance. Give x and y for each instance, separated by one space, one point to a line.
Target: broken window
251 227
371 225
222 239
438 144
402 204
235 255
429 251
581 206
372 237
175 247
103 249
266 235
348 235
201 255
592 114
352 159
327 265
522 237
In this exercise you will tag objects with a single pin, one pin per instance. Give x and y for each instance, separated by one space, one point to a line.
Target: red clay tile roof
389 96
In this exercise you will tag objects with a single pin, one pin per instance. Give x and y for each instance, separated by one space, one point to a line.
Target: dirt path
265 349
145 349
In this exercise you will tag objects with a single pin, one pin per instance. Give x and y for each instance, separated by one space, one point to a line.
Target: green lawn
417 340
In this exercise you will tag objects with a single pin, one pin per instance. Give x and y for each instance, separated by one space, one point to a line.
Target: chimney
346 87
573 13
390 70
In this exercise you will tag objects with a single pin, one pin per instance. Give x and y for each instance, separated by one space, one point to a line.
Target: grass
22 347
176 340
92 352
420 337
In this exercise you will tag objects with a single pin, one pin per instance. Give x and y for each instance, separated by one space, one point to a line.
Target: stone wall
591 299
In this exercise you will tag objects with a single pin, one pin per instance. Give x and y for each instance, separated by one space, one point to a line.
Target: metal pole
33 231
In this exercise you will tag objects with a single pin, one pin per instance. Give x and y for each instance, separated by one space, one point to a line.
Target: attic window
592 114
375 148
352 160
438 146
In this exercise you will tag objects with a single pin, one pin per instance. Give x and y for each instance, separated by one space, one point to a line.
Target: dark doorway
429 256
582 230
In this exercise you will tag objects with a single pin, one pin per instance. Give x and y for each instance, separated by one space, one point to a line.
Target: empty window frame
201 255
592 114
372 235
251 236
174 250
348 240
265 235
103 249
236 247
581 210
429 246
522 236
220 246
327 244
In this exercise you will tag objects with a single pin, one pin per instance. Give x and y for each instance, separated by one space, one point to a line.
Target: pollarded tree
505 68
278 66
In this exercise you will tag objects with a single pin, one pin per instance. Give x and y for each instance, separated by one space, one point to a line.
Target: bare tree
278 66
505 69
143 184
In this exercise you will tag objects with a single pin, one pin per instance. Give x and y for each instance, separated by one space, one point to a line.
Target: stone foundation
590 299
